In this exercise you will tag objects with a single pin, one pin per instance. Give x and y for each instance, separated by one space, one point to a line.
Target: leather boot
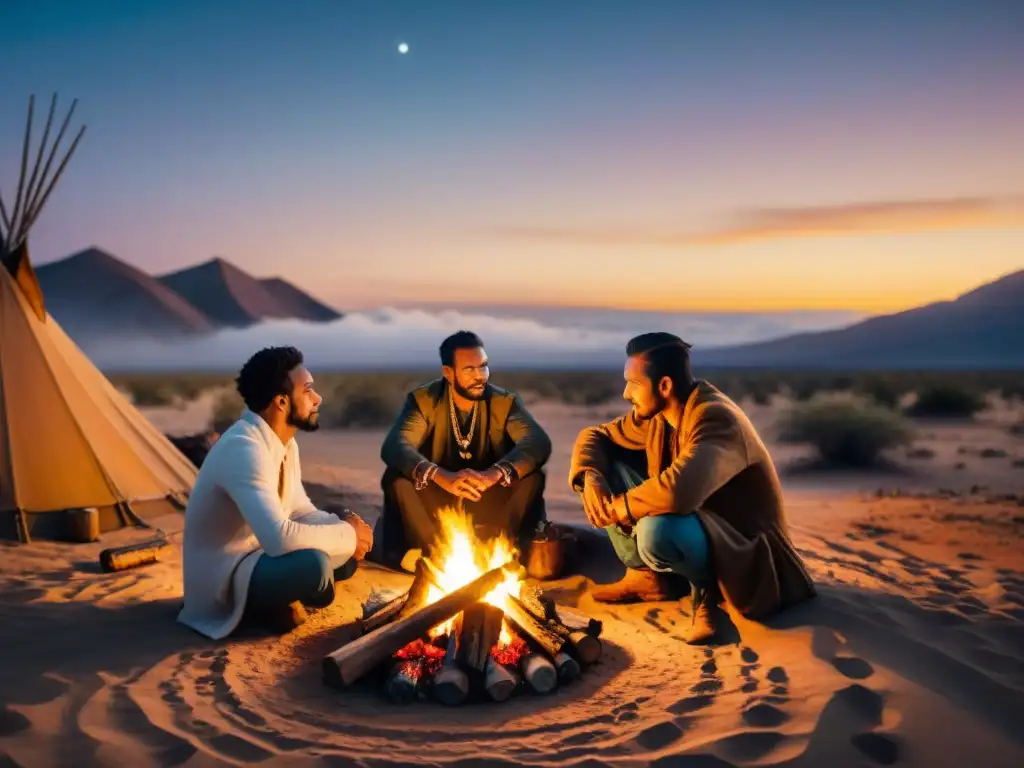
640 585
283 620
705 607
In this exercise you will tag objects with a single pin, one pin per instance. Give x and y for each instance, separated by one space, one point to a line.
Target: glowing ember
431 655
509 653
461 558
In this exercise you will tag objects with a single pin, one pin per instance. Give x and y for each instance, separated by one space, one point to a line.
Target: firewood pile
490 638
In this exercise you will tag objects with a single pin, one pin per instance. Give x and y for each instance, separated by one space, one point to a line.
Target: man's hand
364 533
597 498
465 483
486 479
618 510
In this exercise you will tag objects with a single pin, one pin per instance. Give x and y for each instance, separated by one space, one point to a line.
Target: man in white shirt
254 543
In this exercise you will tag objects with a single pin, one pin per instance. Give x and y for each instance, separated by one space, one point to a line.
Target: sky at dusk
670 156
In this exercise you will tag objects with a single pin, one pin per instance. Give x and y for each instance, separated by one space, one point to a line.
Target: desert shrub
882 390
845 432
946 401
226 410
362 403
153 392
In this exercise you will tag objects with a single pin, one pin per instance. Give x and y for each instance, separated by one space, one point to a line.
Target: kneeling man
254 543
461 438
687 492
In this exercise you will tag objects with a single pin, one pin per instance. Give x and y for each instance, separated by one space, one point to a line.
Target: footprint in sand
703 692
859 707
764 711
826 645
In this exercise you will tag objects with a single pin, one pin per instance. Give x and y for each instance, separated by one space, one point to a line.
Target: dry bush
226 410
844 431
946 401
363 402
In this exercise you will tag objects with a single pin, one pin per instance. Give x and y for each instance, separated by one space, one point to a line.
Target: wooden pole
352 661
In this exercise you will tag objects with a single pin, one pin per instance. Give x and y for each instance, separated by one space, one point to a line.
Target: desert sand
912 654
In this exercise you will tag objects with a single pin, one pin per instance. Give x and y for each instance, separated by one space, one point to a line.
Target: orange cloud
763 224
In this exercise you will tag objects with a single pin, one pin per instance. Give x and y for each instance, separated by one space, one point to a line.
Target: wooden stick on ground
352 661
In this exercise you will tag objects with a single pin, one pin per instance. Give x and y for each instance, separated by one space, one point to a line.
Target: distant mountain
299 303
93 293
983 328
234 298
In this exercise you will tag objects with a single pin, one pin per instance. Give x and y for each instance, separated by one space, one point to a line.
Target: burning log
581 632
479 630
403 682
451 685
500 682
568 668
352 661
539 673
500 676
549 639
419 590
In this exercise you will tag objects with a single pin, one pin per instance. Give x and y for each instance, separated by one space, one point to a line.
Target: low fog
408 338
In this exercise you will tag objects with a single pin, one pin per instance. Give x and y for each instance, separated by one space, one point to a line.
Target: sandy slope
913 654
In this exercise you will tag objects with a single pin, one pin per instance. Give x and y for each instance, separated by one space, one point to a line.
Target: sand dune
913 654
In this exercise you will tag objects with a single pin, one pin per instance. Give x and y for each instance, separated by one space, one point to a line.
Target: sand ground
913 653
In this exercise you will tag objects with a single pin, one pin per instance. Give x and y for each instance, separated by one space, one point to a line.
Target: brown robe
722 471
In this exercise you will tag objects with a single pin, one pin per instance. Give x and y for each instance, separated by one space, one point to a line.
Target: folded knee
653 542
315 573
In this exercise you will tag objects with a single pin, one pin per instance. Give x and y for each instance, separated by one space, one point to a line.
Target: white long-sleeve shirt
235 515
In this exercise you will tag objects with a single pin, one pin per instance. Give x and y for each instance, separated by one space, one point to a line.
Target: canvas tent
68 438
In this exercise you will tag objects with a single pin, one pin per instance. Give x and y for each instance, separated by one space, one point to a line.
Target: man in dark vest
461 438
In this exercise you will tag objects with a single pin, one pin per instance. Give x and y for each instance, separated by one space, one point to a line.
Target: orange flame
461 558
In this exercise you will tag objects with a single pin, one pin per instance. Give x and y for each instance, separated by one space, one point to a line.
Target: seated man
254 543
686 490
461 438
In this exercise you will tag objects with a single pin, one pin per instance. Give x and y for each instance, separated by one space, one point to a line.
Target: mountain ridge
92 293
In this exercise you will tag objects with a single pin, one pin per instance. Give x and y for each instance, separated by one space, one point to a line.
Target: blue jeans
669 543
306 576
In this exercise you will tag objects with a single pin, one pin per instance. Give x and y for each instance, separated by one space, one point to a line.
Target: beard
656 407
310 423
469 394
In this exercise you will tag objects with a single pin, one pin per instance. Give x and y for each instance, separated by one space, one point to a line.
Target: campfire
468 625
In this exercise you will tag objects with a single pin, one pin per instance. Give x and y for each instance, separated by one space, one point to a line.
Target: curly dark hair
664 354
265 376
458 340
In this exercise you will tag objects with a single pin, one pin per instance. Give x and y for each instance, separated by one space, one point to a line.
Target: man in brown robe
460 439
687 490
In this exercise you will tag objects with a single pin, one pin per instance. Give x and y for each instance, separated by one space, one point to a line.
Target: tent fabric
68 438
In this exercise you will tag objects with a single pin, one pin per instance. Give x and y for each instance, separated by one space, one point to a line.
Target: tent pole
19 518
